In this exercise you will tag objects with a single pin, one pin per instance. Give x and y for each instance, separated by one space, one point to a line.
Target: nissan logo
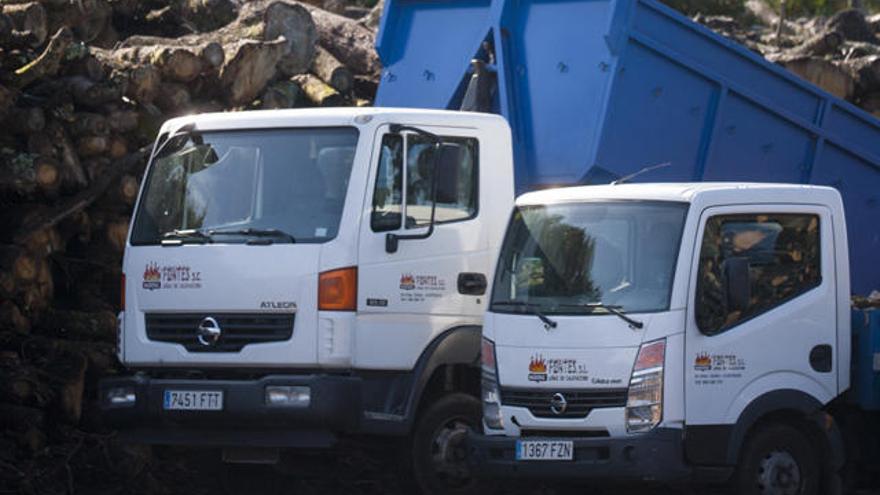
209 332
558 404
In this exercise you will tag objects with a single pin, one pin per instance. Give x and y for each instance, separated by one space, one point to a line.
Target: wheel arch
804 413
720 445
775 405
453 355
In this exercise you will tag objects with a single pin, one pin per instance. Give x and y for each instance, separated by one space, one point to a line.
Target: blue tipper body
599 89
865 390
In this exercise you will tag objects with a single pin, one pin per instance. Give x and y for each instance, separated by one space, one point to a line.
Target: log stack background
840 53
84 86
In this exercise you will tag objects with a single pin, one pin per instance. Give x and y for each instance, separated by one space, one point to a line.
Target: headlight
491 396
644 404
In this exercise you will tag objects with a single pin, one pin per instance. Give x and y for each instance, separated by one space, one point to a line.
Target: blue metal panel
866 359
596 89
859 183
560 80
658 114
751 143
426 47
721 59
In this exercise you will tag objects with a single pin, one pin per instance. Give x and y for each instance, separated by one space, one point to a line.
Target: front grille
579 402
237 330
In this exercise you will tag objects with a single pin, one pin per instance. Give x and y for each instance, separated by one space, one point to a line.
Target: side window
388 194
453 203
782 252
456 191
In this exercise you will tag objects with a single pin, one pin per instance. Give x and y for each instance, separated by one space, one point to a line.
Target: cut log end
319 92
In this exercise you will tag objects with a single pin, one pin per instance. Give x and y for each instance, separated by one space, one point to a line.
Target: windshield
589 258
292 181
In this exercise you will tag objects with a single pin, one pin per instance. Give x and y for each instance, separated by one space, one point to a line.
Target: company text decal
555 370
171 277
715 369
418 288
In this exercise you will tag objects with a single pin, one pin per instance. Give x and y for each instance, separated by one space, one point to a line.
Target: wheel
778 460
438 453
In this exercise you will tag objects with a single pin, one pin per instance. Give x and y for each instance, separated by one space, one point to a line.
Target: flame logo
537 365
703 361
151 273
407 282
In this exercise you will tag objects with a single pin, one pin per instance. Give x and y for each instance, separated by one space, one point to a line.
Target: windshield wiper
250 232
615 310
177 237
548 323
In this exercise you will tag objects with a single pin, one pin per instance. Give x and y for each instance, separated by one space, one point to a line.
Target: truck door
781 332
408 297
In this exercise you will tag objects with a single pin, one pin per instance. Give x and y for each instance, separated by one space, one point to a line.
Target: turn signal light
337 290
651 356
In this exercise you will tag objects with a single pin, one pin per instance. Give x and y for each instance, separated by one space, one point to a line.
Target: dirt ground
328 476
197 472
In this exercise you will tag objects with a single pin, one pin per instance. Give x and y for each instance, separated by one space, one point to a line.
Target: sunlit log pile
840 53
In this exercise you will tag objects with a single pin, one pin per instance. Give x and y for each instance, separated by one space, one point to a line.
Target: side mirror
737 285
449 172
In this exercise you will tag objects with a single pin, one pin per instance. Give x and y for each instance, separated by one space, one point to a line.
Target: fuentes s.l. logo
152 276
407 282
703 362
537 369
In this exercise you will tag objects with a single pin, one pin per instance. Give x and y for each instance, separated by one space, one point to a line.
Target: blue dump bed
865 389
598 89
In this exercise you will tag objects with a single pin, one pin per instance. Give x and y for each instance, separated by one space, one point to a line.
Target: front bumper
655 456
245 420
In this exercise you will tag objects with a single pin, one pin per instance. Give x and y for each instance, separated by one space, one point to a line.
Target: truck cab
658 331
294 276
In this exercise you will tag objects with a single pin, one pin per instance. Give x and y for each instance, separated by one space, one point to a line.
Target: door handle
472 284
822 358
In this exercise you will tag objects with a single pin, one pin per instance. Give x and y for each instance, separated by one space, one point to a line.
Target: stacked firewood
841 53
84 86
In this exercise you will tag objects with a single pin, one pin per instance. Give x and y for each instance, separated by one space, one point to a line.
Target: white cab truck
671 332
277 294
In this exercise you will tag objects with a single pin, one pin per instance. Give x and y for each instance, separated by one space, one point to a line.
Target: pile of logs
84 86
841 54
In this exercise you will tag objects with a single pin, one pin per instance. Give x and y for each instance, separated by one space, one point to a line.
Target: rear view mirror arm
392 240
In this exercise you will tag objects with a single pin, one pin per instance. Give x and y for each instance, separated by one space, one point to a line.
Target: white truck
670 332
277 294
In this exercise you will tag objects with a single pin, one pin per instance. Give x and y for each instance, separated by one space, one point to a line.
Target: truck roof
256 119
690 192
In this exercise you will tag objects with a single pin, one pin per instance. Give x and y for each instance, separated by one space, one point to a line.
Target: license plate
544 450
193 400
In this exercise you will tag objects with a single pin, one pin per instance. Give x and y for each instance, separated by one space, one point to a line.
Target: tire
778 460
438 456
